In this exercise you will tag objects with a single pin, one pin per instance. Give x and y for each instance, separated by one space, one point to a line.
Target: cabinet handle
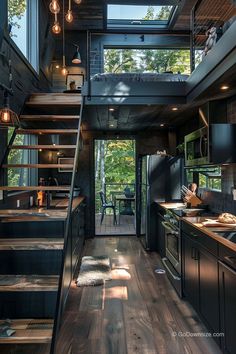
192 252
196 254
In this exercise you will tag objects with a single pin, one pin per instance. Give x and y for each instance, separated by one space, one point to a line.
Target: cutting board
212 223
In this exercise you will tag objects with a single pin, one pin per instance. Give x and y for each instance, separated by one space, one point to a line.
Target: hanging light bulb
69 16
64 71
5 115
56 28
8 118
54 7
78 1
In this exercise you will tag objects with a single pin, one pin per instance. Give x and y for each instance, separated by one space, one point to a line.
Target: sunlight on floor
121 274
116 292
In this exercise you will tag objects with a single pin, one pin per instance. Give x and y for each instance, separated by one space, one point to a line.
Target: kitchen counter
41 214
197 222
171 205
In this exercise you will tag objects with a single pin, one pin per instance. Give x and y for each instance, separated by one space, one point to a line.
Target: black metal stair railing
66 269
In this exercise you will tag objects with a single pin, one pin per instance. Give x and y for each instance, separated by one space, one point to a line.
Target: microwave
197 148
211 145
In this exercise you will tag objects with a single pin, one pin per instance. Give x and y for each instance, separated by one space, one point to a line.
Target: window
138 16
205 177
21 176
23 28
147 60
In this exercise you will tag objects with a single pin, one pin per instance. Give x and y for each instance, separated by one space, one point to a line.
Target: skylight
138 16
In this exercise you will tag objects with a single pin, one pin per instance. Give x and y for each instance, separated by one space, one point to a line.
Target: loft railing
210 20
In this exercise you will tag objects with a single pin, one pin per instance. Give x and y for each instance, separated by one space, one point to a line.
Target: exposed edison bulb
56 28
5 116
78 1
69 16
64 71
54 7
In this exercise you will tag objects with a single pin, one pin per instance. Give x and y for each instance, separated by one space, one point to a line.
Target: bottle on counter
41 194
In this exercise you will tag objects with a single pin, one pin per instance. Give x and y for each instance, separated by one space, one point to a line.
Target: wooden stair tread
46 131
25 283
35 188
42 117
29 331
52 165
29 244
59 99
43 147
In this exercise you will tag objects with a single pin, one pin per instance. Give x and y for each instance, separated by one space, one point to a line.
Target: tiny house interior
117 176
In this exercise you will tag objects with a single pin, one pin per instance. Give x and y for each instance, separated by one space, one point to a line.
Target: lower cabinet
200 281
209 284
227 277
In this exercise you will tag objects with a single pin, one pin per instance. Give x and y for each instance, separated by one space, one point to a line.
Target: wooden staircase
31 252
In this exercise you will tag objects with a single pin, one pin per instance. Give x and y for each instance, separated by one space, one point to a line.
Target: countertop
41 214
196 221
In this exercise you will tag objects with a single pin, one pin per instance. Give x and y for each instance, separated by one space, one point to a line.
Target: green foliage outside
148 60
15 156
114 167
16 10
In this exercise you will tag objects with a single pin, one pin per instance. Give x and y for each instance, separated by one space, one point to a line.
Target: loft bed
135 88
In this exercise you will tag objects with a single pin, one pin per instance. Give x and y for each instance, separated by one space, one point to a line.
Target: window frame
143 25
32 38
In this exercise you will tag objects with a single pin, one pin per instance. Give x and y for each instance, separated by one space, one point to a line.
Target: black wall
25 78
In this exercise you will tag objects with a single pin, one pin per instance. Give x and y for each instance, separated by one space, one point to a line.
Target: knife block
194 201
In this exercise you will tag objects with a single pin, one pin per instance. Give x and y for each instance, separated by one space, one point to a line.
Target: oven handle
169 270
167 226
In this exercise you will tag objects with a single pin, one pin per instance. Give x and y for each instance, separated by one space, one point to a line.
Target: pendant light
69 15
64 71
76 57
78 1
54 7
56 28
8 118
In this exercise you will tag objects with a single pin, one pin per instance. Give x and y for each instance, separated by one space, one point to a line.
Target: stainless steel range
172 261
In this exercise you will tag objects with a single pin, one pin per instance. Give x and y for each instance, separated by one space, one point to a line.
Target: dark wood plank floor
137 311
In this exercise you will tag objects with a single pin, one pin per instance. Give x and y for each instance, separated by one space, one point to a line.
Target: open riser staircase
33 252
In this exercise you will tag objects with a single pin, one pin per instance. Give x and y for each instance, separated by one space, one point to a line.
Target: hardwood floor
125 225
137 311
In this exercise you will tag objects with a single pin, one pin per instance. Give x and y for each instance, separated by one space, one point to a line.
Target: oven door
172 240
172 262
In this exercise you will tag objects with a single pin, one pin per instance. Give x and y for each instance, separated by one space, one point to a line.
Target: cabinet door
208 289
190 271
227 278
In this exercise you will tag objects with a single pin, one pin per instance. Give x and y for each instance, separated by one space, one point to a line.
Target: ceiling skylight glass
138 16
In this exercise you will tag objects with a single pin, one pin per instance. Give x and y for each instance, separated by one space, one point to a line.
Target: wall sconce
76 57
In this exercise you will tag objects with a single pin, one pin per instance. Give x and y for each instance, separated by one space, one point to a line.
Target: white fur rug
94 270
